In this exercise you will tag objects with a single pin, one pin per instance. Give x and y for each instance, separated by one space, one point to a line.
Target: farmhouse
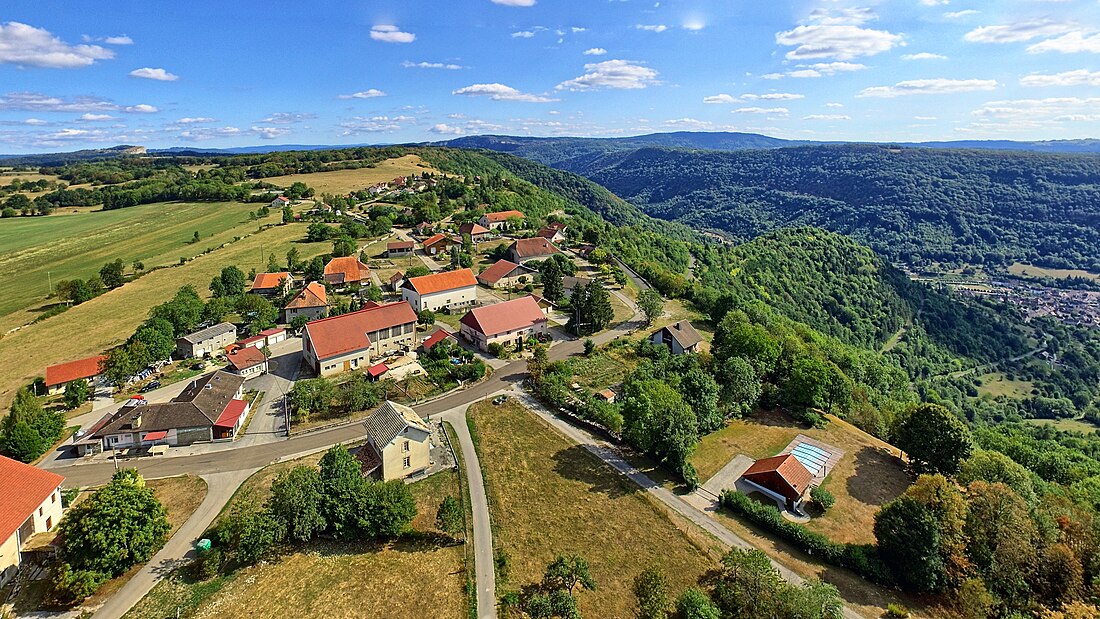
442 290
437 244
495 221
311 302
781 477
435 338
346 271
247 362
272 284
534 248
570 283
506 274
398 249
32 504
206 341
504 323
552 234
349 341
680 337
57 376
395 281
280 202
210 408
477 232
398 443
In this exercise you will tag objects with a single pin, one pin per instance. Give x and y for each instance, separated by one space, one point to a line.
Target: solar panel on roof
811 457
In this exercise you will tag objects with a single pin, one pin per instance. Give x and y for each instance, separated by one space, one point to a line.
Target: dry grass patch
344 181
997 384
606 367
549 497
1027 270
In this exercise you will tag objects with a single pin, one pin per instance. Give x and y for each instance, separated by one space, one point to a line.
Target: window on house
53 498
408 462
49 523
405 447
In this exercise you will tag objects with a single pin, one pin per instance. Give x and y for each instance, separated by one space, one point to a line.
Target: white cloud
780 111
819 69
694 25
500 92
837 34
38 102
1018 32
1039 111
431 65
959 14
1070 43
141 108
652 27
150 73
388 33
35 122
193 120
694 124
198 134
523 34
834 105
370 93
618 74
119 40
270 133
722 98
773 96
924 56
25 45
934 2
826 117
288 118
514 2
1080 77
595 51
445 129
936 86
90 117
375 124
924 118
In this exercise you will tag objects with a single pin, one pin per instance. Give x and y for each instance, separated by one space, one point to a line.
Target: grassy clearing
549 497
344 181
606 367
332 579
1068 425
109 319
996 384
865 478
1027 270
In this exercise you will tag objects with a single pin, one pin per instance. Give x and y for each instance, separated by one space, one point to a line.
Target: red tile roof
472 228
346 270
447 280
503 216
231 413
313 295
339 335
24 488
273 331
400 245
265 281
492 320
158 435
547 233
435 338
377 370
67 372
283 199
534 247
499 269
246 357
437 239
783 474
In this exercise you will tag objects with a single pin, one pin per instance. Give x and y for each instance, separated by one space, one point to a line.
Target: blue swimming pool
811 457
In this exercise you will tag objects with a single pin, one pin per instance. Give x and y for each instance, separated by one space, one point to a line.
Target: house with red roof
478 233
347 271
506 274
449 289
437 244
781 477
272 284
311 302
350 341
280 202
57 376
534 248
552 234
435 338
247 362
504 323
495 221
31 504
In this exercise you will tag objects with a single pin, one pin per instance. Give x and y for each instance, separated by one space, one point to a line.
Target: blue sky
77 74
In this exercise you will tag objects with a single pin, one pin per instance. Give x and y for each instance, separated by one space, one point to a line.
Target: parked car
500 399
151 385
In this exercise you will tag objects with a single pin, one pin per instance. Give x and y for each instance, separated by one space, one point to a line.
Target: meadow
344 181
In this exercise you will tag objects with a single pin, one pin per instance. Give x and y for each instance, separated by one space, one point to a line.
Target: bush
496 349
208 564
821 499
862 559
897 611
69 587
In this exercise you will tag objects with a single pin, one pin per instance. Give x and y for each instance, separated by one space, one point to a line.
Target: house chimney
135 420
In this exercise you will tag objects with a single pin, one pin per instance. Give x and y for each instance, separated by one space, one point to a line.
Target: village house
311 302
272 284
60 375
32 504
545 305
347 271
552 234
534 248
206 342
395 281
350 341
438 336
570 283
398 443
437 244
209 409
280 202
505 323
783 478
423 228
495 221
247 362
398 249
680 337
477 232
449 289
506 274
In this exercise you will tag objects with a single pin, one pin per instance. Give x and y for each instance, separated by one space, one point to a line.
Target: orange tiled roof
339 335
67 372
447 280
472 228
349 267
503 216
783 474
24 488
313 295
500 318
499 269
534 246
264 281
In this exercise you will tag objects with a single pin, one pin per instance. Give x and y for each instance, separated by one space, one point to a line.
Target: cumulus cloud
651 27
288 118
1018 32
90 117
514 2
924 56
388 33
270 133
1054 109
818 69
1080 77
500 92
934 2
375 124
194 120
936 86
721 98
959 14
141 108
523 34
595 51
776 111
694 124
1070 43
150 73
773 96
35 122
38 102
837 34
370 93
431 65
616 74
445 129
25 45
198 134
119 40
827 117
834 105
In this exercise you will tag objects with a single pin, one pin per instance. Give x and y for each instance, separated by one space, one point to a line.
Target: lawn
109 319
1027 270
549 497
605 368
332 579
996 384
868 475
344 181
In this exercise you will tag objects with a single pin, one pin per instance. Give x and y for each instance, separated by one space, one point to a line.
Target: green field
37 250
1019 268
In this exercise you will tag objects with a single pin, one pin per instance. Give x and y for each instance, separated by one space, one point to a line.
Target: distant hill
71 157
